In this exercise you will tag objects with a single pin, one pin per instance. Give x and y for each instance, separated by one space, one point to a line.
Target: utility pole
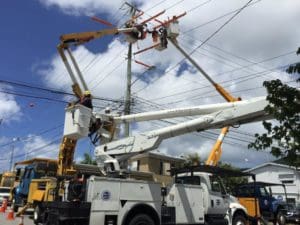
12 157
127 110
12 153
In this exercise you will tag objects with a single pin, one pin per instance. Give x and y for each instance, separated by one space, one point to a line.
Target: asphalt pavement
16 221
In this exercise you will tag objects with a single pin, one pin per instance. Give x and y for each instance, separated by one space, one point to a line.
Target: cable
26 138
53 90
105 76
34 150
218 18
222 26
206 40
156 5
198 6
31 96
249 76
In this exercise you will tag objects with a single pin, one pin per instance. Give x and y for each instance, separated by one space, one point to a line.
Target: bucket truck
115 200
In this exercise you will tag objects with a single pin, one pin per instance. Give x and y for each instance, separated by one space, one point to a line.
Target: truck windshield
194 180
4 190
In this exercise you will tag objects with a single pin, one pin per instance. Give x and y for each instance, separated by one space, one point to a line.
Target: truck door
218 202
265 202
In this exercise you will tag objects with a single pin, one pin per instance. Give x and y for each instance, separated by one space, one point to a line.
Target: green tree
282 136
87 159
192 159
231 182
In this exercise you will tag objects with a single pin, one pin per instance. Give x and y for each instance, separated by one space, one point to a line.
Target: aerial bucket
77 121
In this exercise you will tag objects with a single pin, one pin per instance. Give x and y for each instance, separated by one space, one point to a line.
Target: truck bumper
58 213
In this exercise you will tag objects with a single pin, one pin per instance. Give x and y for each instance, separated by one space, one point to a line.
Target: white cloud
37 146
85 7
9 108
261 31
26 148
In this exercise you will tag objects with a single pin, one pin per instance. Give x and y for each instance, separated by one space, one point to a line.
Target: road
27 221
16 221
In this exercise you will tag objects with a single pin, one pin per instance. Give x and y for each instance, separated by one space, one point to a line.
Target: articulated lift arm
218 115
216 151
68 145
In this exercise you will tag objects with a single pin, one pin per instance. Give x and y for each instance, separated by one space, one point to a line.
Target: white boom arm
213 116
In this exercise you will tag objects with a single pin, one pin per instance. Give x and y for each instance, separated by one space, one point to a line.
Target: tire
239 220
280 218
141 219
37 215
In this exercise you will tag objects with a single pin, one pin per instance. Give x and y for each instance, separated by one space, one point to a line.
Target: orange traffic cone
3 206
10 215
2 209
5 203
21 220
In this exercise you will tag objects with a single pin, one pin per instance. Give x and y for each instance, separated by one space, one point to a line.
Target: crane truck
115 200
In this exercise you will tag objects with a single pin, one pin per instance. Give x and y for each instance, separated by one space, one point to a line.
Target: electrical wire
27 138
221 27
54 91
218 18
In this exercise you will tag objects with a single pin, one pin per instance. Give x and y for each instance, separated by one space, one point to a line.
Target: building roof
157 156
271 164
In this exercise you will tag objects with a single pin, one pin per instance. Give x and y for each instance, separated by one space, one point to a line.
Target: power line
53 90
222 26
206 40
218 18
108 74
27 138
239 79
34 150
198 6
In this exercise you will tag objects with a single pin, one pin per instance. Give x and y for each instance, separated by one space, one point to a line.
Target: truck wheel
239 220
280 218
141 219
37 215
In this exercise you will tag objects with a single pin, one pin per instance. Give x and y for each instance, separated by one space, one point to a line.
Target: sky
255 46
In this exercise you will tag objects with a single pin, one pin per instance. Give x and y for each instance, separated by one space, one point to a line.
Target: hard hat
87 92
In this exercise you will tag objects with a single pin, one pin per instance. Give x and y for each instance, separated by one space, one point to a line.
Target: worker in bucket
86 99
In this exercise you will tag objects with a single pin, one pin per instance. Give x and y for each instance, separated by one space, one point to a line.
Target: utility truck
115 200
31 169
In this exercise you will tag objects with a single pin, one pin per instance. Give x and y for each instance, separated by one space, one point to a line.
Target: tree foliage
282 136
87 159
192 159
231 182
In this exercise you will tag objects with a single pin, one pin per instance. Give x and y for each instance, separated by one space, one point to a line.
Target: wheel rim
240 222
35 214
281 219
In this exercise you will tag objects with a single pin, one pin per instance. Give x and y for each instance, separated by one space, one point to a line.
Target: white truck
115 200
193 198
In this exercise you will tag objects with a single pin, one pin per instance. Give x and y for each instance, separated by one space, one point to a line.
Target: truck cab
220 206
211 197
268 207
32 169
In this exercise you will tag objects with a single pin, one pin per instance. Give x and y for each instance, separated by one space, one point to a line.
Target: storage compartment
77 121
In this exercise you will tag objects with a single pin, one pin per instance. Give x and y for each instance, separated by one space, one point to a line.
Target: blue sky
30 31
